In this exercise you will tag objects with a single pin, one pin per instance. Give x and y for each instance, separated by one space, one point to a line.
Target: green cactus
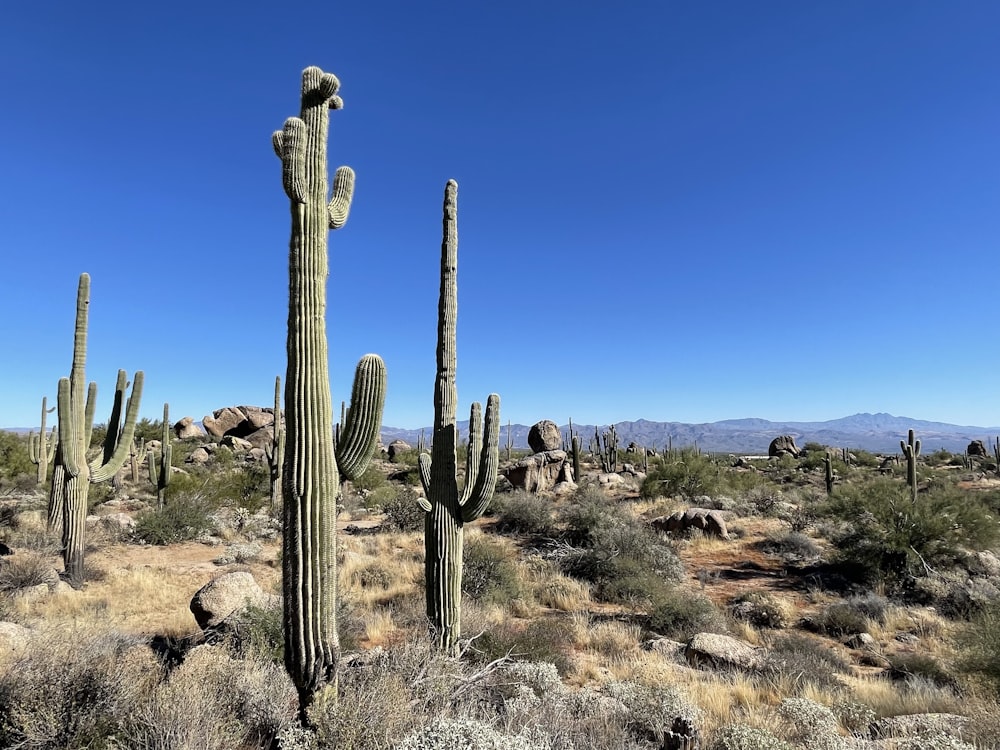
274 451
828 466
449 507
76 420
607 449
911 450
311 481
160 476
40 445
135 455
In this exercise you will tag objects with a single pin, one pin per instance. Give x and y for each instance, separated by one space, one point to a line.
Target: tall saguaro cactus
448 506
160 476
76 419
311 480
38 448
911 450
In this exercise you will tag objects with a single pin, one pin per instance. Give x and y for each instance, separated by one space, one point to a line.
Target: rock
862 642
257 455
222 421
262 438
396 447
783 445
977 448
721 652
186 429
237 444
670 648
710 522
544 436
221 597
920 725
31 593
198 456
259 418
118 521
986 562
14 638
538 472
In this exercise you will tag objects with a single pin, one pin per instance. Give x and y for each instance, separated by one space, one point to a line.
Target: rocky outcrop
544 436
977 448
187 429
710 522
238 421
396 447
539 472
783 445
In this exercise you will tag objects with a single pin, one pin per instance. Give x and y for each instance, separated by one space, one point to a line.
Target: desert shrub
371 479
840 619
760 609
808 722
15 464
521 512
257 633
743 737
909 665
894 538
545 640
979 647
184 517
25 569
679 614
792 546
688 474
403 513
489 574
805 661
464 734
853 716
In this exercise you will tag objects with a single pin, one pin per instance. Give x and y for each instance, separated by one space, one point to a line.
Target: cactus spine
274 451
911 450
76 419
160 477
448 507
310 478
38 448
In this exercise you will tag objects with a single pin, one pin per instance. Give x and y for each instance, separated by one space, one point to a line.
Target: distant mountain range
879 433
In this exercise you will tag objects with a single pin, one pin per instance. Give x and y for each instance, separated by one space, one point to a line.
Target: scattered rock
707 520
977 448
13 638
544 436
221 597
722 652
237 444
199 455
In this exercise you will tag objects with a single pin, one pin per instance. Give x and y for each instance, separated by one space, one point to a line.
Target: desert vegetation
317 593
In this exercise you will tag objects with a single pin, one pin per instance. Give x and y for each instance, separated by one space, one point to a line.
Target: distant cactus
160 476
911 450
607 449
76 419
828 466
135 455
448 505
41 445
274 451
311 481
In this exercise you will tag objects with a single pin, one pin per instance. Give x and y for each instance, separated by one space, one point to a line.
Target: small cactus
40 445
160 476
274 451
449 506
911 450
828 466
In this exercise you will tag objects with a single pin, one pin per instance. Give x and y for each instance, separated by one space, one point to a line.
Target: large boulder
397 447
722 652
544 436
223 596
977 448
187 429
709 521
539 472
783 445
238 421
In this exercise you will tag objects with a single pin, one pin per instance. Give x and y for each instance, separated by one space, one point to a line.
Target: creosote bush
184 517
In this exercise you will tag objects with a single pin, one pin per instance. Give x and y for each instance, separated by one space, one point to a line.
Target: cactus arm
103 471
72 451
473 449
115 420
478 497
89 410
359 437
33 447
339 207
424 462
290 146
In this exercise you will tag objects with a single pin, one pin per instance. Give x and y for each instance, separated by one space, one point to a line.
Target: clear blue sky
678 211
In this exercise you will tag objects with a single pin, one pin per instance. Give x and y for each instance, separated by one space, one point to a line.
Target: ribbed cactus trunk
275 450
76 420
311 480
448 506
39 448
911 451
159 475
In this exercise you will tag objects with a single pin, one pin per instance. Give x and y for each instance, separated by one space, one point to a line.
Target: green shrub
402 513
979 647
15 464
548 640
521 512
489 574
906 666
679 614
806 661
688 475
183 518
